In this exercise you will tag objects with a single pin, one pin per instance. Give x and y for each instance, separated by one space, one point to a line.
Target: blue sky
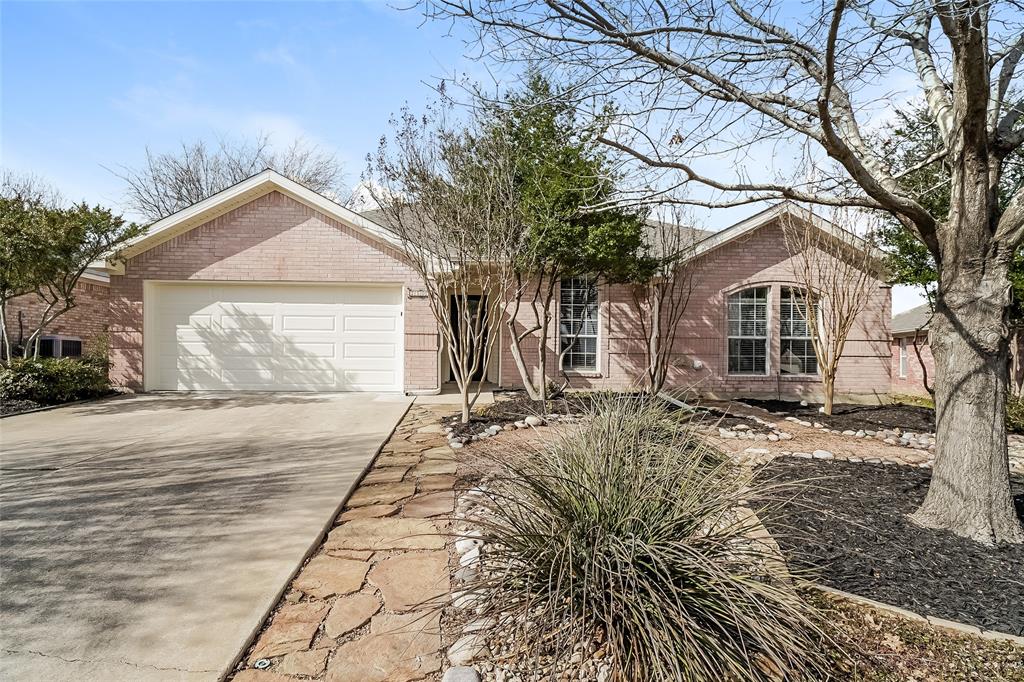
87 86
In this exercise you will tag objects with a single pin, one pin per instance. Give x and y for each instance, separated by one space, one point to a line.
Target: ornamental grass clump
628 540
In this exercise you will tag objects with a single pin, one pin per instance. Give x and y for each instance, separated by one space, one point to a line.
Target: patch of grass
626 536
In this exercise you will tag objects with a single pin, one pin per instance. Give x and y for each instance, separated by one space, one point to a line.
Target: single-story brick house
910 329
77 331
271 286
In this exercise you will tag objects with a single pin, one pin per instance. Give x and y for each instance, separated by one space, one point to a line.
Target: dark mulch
854 417
16 406
848 525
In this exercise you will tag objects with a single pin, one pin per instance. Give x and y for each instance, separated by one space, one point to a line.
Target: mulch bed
15 406
848 526
855 417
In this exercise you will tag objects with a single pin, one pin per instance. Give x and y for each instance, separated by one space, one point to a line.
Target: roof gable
765 217
241 193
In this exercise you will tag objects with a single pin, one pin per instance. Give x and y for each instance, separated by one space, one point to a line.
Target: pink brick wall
913 381
759 259
87 320
270 239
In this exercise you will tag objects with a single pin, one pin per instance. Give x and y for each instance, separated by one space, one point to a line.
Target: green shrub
51 381
1015 413
630 535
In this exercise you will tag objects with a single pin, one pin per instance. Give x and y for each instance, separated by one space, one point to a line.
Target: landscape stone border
943 623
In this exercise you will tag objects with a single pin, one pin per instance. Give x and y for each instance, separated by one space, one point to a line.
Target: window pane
747 329
46 348
578 323
70 348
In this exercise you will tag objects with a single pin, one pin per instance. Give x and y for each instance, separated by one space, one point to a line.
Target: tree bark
829 384
970 487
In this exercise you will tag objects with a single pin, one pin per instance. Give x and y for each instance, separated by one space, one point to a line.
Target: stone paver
309 663
436 467
430 504
387 533
435 482
325 576
292 629
412 581
399 648
370 511
349 613
385 475
386 493
408 566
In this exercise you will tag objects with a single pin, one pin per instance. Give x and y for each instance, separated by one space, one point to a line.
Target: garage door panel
366 323
276 337
311 322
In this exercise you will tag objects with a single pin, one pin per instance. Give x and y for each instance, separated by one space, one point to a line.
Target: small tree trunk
969 492
828 382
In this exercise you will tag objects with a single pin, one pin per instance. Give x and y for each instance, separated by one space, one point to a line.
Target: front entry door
477 306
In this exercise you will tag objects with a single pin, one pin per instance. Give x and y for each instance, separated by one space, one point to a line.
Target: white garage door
273 337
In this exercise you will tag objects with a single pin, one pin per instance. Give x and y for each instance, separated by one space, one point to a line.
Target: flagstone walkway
366 607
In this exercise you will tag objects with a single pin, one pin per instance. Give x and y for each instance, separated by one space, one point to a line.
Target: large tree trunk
970 487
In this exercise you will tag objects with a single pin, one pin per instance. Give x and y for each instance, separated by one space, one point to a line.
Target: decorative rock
740 427
802 455
773 437
467 649
860 434
349 613
378 534
325 576
726 433
889 441
291 629
521 425
387 493
822 454
757 451
399 648
461 674
470 557
849 432
465 544
533 420
310 663
785 436
456 444
408 581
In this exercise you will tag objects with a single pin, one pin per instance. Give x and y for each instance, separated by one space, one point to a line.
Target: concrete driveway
145 538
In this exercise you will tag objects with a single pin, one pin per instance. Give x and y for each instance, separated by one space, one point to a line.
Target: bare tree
449 195
695 78
837 276
171 181
664 295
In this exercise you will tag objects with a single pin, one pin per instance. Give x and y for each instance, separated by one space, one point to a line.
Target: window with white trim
796 350
577 328
60 347
748 331
903 357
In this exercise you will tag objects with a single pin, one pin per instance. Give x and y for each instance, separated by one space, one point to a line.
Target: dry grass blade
622 538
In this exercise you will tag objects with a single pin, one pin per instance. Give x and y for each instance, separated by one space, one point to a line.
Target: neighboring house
75 332
270 286
909 373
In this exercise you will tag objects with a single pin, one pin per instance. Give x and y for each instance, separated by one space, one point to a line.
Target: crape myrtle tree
170 181
910 146
661 293
837 276
561 170
697 75
448 192
45 248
